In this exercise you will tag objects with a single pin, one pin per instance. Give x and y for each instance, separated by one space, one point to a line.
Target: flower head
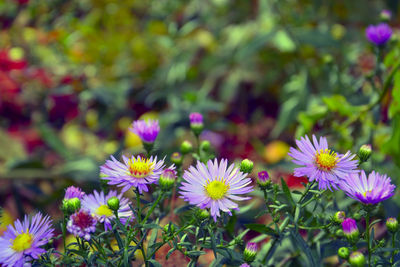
74 192
379 34
146 130
82 224
167 179
22 242
214 186
386 15
320 163
133 172
392 224
97 205
368 191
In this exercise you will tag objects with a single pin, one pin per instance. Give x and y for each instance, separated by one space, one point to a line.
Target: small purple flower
196 118
146 130
244 265
373 190
214 186
379 34
320 163
263 179
96 204
74 192
22 242
82 224
134 172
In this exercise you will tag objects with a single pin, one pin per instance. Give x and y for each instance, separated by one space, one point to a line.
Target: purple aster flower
250 251
321 164
368 191
134 172
82 224
196 118
146 130
74 192
22 242
96 204
214 186
244 265
379 34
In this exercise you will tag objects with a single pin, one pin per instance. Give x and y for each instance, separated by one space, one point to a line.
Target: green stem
139 212
64 231
393 246
306 192
153 207
367 238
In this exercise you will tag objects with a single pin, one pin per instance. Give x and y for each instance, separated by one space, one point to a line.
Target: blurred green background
75 74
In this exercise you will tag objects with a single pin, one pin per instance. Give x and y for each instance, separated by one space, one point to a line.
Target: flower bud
263 179
364 152
186 147
385 15
392 225
246 166
205 145
196 123
344 253
350 230
250 252
176 158
71 205
339 233
113 203
339 217
169 228
167 179
202 214
357 259
244 265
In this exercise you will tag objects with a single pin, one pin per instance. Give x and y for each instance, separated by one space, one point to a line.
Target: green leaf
154 263
261 228
286 190
313 260
339 104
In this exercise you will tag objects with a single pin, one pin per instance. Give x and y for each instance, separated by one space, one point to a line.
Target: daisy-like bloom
96 204
320 163
22 242
82 224
214 186
133 172
146 130
379 34
74 192
368 191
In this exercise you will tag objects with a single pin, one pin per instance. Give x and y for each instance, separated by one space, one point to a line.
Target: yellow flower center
216 189
368 191
140 168
104 210
22 242
326 159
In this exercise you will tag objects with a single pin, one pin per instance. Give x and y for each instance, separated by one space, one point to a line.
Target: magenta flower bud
350 230
146 130
250 252
263 179
379 34
196 122
244 265
74 192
